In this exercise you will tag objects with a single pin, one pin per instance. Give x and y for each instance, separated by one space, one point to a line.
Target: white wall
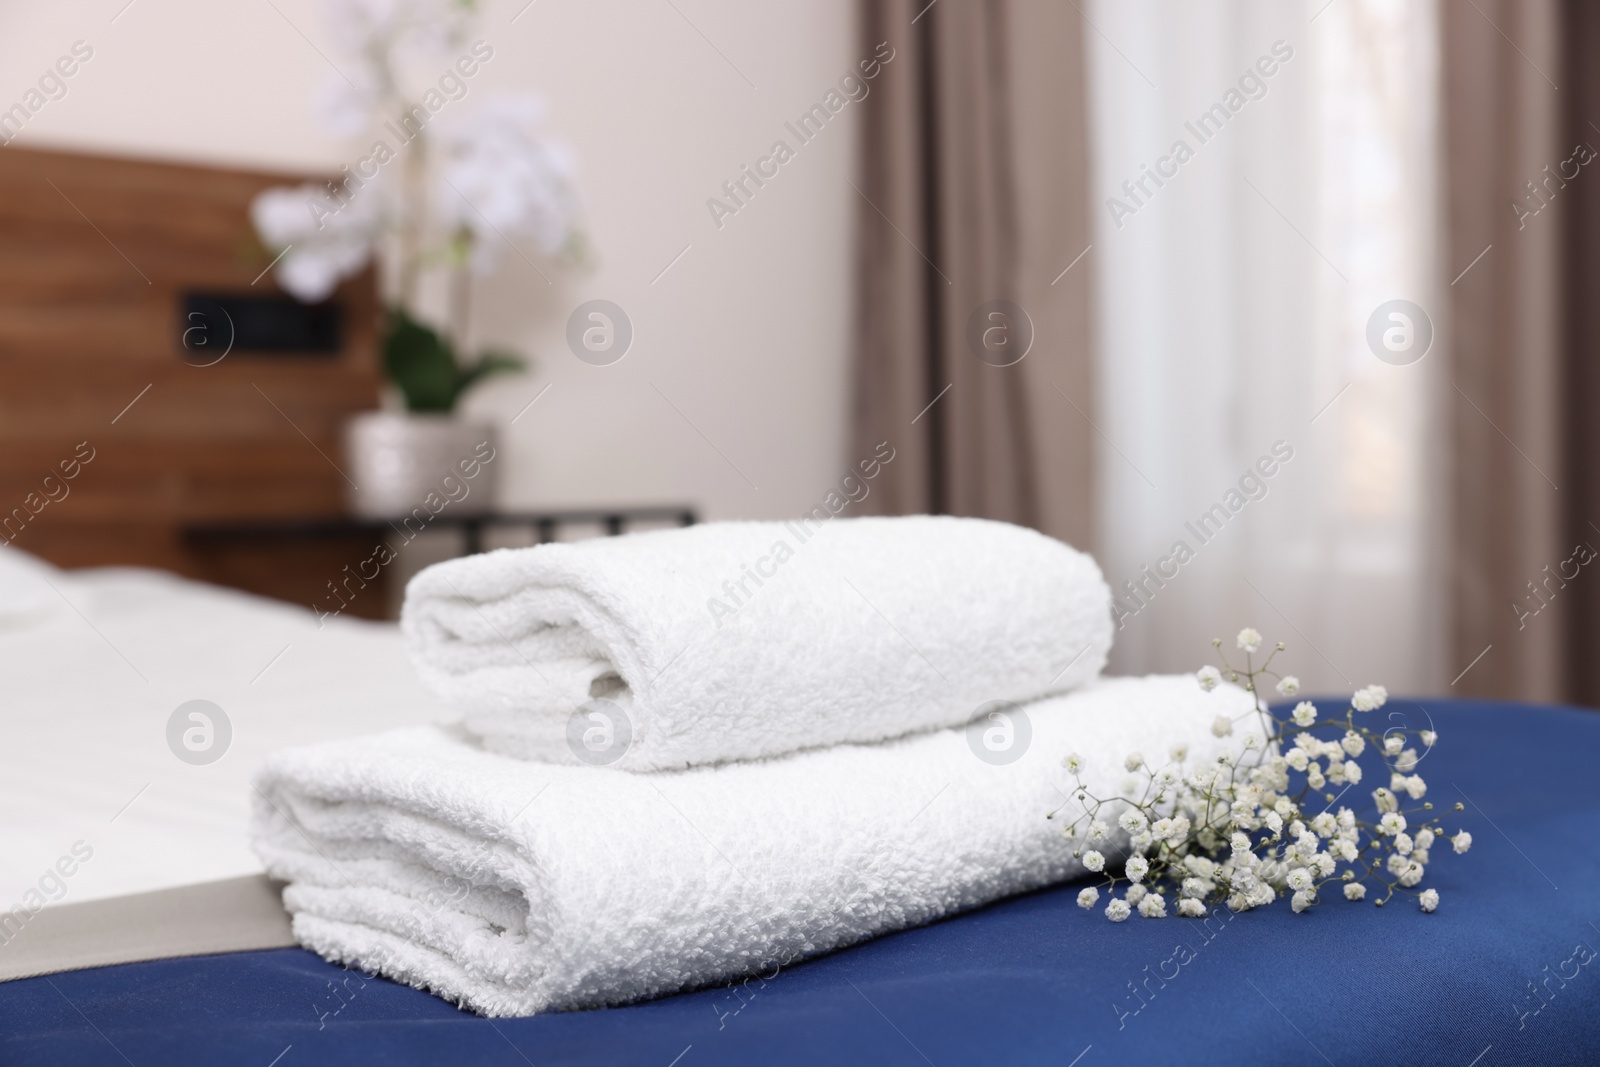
746 334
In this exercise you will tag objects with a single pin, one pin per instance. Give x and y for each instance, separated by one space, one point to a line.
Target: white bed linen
88 680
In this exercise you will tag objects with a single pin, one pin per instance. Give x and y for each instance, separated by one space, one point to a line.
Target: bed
98 660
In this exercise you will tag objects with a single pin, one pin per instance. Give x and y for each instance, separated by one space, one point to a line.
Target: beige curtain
1502 117
973 189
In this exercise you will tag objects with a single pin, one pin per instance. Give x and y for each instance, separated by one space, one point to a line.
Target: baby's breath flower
1370 698
1429 899
1242 823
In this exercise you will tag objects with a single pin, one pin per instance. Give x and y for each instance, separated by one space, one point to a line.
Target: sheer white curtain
1234 288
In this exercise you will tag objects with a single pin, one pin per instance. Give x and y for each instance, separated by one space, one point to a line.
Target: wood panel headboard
96 257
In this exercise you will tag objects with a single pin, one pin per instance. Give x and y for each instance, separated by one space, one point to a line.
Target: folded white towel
516 887
742 640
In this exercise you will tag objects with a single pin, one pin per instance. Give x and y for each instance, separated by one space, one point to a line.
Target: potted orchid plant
453 176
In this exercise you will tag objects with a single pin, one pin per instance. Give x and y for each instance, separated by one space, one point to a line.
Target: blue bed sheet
1504 973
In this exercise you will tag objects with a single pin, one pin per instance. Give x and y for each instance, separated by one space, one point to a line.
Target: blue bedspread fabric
1505 972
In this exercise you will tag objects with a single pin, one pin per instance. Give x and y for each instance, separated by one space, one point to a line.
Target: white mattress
82 733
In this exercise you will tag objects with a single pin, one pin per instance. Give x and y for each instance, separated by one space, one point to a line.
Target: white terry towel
515 887
741 640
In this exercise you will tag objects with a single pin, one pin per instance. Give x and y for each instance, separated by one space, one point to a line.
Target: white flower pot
403 461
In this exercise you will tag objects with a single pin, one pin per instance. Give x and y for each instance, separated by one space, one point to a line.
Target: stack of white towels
690 755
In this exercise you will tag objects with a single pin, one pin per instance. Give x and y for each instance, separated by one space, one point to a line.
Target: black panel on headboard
213 323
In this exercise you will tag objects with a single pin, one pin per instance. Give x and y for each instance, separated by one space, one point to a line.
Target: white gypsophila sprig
1257 820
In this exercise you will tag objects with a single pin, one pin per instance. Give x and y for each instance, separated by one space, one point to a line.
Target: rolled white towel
741 640
515 887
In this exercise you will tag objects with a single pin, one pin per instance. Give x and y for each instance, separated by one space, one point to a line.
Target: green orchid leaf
420 362
490 362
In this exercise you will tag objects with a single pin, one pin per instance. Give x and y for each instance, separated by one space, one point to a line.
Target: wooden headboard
96 257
